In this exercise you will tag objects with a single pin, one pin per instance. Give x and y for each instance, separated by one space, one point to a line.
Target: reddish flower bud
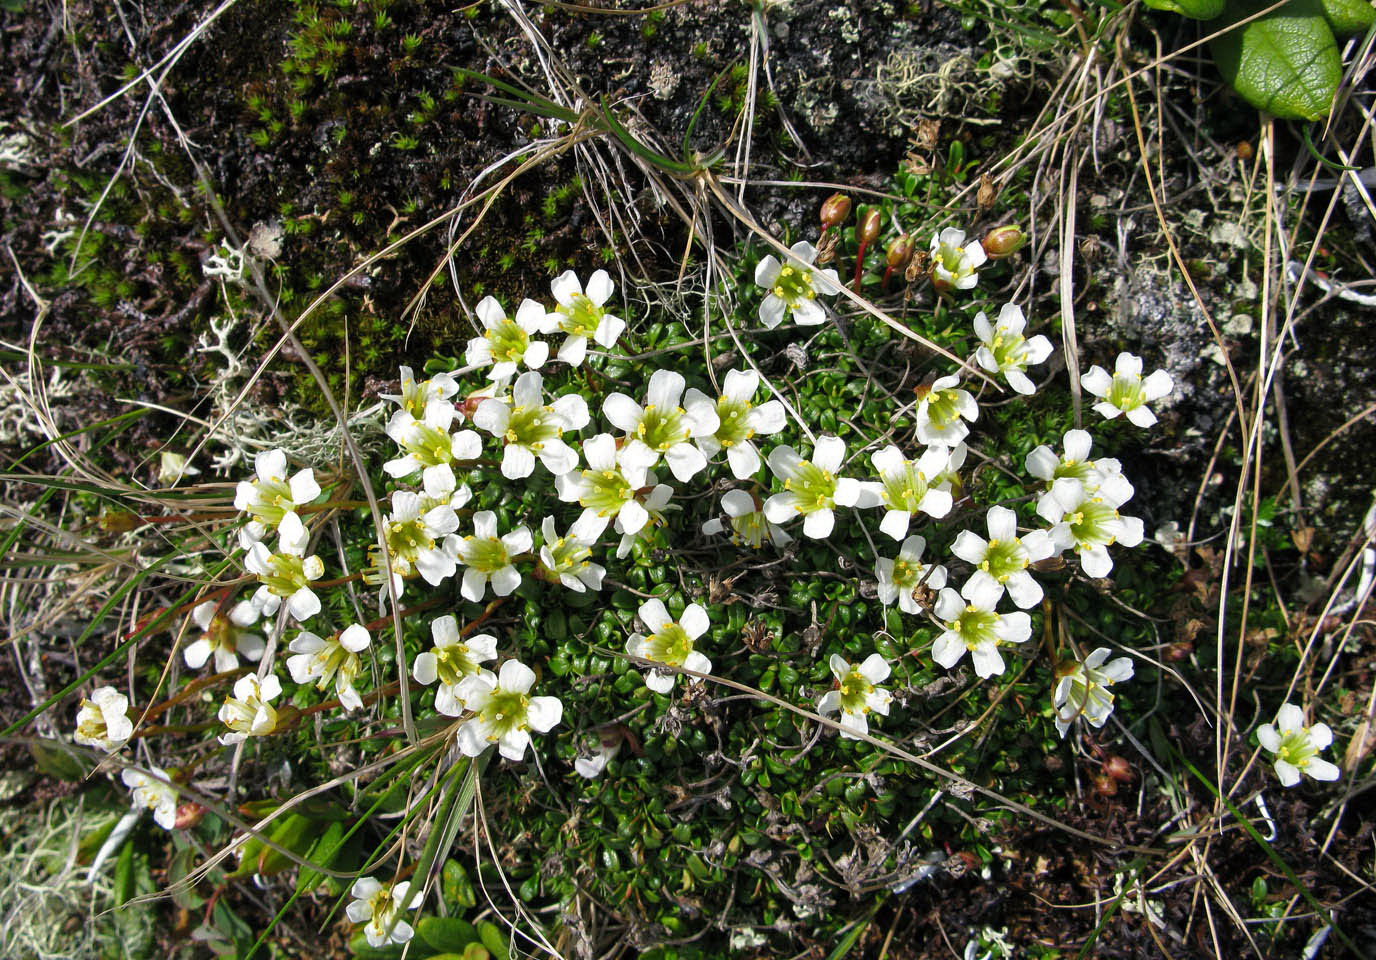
188 815
900 252
868 231
1003 241
1105 786
835 210
1119 769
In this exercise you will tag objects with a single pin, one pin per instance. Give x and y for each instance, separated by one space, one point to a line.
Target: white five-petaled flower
248 713
954 261
103 720
857 693
1297 747
380 908
504 712
1088 523
793 287
1082 688
153 791
581 314
1002 560
319 660
812 488
738 422
416 395
973 624
286 574
223 635
748 522
450 660
428 446
1105 473
907 486
901 577
567 558
488 557
942 412
669 642
422 539
1126 391
607 488
655 498
506 342
271 497
662 427
530 428
1003 349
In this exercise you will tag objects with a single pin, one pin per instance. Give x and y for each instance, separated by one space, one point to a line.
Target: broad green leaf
1194 9
1285 63
448 934
1348 17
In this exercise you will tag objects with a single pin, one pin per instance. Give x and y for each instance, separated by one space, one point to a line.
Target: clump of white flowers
1083 688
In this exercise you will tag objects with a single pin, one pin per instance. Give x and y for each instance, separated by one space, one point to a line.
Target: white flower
656 504
322 659
748 522
529 428
900 578
793 287
272 497
488 557
942 412
909 486
856 694
1126 391
416 396
1003 349
286 574
173 466
591 767
1082 689
1002 560
248 713
422 541
738 421
224 636
662 427
566 558
1106 473
670 642
103 720
1296 746
954 265
153 791
607 488
450 660
973 624
505 343
1087 522
581 315
427 445
380 907
505 713
811 487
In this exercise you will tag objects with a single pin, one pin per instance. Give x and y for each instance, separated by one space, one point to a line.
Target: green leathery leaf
1349 17
1194 9
446 934
1285 63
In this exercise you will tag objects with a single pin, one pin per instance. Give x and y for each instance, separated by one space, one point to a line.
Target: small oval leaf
1285 63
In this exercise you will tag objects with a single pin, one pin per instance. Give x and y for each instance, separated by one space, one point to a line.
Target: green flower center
813 486
735 422
1088 694
532 426
486 556
905 488
221 634
569 554
273 502
286 574
430 445
661 428
454 662
1089 522
906 575
91 723
508 342
750 527
1009 350
504 712
1296 749
855 691
580 318
407 538
793 285
976 626
950 257
669 646
1003 558
943 406
1125 393
607 491
1080 470
333 660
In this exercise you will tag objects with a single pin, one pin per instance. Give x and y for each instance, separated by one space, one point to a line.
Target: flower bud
1119 769
835 210
188 815
1105 786
899 253
1003 241
117 521
868 231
